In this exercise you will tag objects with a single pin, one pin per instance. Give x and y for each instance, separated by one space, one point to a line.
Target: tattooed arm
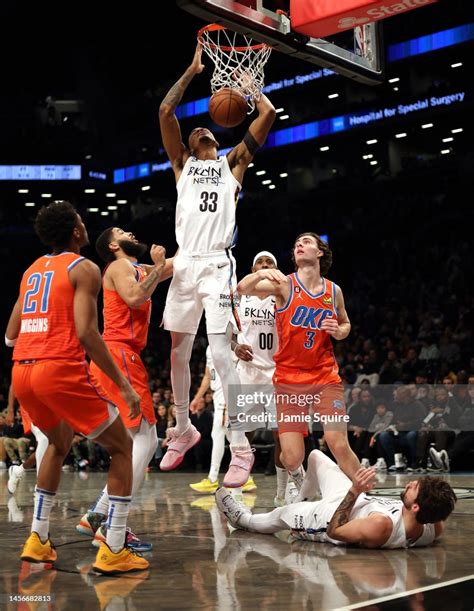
372 531
170 130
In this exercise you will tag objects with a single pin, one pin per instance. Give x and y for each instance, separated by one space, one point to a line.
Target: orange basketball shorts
55 390
303 397
131 365
25 420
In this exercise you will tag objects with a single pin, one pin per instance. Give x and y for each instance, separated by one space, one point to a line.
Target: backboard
357 53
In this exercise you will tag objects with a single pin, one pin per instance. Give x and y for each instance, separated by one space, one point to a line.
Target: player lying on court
348 514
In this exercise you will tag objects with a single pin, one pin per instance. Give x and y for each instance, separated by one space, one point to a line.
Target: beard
133 249
404 501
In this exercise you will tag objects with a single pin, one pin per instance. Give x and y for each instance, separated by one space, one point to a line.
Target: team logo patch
327 300
461 493
297 289
338 404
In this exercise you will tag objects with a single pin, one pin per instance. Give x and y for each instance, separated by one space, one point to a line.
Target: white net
238 61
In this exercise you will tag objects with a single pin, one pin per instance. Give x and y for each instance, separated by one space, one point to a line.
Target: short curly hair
55 223
102 245
436 499
325 261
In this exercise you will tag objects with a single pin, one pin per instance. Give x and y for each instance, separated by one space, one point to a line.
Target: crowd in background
400 251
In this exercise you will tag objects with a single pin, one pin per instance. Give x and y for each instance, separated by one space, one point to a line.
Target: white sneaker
279 501
297 478
14 476
365 462
380 465
445 460
440 459
15 514
232 510
291 493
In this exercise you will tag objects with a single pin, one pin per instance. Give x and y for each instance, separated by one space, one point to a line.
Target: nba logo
337 404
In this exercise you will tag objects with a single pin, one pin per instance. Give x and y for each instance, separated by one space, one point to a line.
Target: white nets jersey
257 319
205 210
310 520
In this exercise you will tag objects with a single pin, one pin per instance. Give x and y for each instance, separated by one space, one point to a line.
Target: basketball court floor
197 562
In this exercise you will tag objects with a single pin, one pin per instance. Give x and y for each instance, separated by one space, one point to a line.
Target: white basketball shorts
201 282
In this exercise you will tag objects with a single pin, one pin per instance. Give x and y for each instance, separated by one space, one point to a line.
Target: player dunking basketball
53 321
128 287
204 269
310 310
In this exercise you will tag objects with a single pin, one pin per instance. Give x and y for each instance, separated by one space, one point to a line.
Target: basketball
228 107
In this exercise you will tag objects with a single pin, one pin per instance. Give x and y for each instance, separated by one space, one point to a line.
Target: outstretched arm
266 282
170 130
240 156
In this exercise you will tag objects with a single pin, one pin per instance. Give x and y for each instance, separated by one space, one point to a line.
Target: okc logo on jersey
309 318
206 175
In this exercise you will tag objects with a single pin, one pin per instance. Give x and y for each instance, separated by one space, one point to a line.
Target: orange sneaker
124 561
35 550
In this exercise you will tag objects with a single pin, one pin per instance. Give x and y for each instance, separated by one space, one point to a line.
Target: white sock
101 504
44 500
182 346
282 481
117 521
239 439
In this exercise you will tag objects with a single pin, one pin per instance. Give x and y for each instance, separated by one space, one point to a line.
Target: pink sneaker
178 445
239 468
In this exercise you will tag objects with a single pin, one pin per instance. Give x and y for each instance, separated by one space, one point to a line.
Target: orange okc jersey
123 324
302 345
47 328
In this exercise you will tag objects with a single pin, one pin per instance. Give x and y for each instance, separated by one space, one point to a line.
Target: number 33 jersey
302 344
205 210
47 329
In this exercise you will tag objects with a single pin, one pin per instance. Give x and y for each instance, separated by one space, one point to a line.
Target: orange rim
214 27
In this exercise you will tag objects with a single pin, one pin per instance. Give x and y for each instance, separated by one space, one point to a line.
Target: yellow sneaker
249 485
206 503
124 561
205 486
35 550
117 588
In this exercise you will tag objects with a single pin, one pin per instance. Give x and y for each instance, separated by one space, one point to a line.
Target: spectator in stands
443 416
391 369
408 415
360 417
411 365
380 422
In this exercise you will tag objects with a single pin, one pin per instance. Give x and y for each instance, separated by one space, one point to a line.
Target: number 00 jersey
257 319
302 345
47 329
205 210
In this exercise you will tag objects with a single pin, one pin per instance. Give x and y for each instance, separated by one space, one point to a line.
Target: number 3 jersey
205 210
47 329
302 344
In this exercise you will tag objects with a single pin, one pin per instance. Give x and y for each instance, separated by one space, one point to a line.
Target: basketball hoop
238 61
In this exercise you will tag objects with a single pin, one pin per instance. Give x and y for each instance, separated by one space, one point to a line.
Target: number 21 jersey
205 210
47 328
